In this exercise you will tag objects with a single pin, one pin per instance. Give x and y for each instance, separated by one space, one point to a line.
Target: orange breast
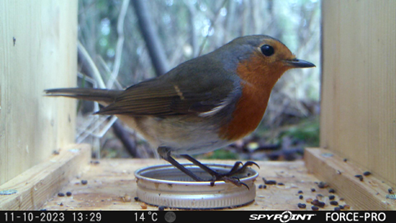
248 113
257 83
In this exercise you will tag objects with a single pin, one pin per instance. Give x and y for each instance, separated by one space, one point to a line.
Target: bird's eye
267 50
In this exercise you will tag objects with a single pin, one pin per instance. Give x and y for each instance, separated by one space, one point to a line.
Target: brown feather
167 95
101 95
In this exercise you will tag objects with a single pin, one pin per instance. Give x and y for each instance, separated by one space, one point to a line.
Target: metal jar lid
164 185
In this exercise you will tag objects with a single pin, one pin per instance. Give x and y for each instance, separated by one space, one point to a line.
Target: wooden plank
369 194
38 50
112 186
37 184
358 118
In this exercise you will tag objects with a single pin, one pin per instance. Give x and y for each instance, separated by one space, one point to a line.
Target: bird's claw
252 163
229 177
235 169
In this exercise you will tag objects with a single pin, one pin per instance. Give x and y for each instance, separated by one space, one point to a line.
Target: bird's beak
296 63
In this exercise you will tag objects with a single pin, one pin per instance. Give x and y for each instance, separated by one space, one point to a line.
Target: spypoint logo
286 216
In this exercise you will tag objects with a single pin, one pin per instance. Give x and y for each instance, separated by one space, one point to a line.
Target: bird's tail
100 95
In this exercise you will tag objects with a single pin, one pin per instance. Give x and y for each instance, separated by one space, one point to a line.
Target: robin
202 104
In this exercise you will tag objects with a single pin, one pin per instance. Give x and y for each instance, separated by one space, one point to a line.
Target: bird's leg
234 170
164 152
226 176
200 165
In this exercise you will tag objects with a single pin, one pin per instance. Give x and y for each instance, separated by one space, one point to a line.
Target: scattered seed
314 208
335 203
300 192
318 203
83 182
60 194
331 197
360 177
322 185
161 208
313 189
331 190
269 182
136 198
315 202
337 209
301 205
367 173
301 197
68 193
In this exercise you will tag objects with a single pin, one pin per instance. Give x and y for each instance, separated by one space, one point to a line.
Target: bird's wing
165 96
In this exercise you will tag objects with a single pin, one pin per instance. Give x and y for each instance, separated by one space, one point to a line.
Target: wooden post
38 50
358 113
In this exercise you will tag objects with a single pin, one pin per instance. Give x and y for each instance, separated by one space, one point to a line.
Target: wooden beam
368 194
37 184
358 118
38 50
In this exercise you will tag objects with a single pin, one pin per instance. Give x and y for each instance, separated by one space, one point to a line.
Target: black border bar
175 216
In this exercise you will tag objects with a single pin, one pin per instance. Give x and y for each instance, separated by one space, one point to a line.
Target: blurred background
124 42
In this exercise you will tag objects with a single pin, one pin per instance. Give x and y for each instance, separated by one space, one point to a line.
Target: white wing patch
215 109
228 100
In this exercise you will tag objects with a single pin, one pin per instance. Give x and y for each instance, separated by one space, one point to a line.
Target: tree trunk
153 43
